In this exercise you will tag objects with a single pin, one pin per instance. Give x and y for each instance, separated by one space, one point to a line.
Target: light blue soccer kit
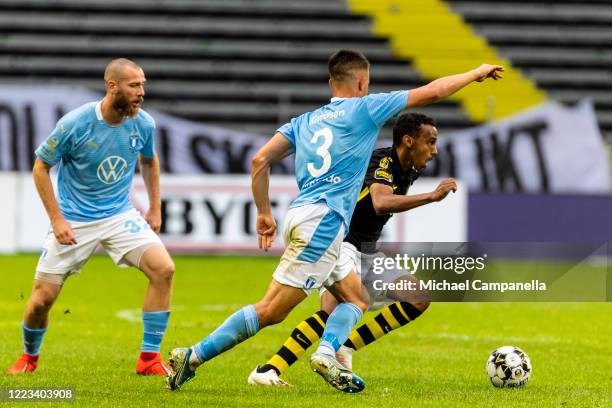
332 147
96 161
96 167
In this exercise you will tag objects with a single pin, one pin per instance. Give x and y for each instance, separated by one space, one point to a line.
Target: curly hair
410 124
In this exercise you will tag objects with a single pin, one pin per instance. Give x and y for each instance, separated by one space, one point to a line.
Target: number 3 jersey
333 145
96 161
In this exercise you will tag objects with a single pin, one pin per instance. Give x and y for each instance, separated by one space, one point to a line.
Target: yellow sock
390 318
303 336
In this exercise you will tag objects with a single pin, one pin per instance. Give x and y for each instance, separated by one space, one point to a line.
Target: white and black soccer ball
509 366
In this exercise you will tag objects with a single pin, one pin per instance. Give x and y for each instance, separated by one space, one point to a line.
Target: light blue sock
32 339
235 329
339 326
154 326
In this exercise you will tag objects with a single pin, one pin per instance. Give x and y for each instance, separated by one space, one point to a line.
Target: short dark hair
343 62
410 124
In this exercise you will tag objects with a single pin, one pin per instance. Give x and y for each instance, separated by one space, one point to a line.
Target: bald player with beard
97 147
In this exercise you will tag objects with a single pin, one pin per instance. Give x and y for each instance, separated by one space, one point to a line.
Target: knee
163 273
268 315
166 271
41 302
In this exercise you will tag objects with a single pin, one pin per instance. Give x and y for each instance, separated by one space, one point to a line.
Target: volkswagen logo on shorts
111 169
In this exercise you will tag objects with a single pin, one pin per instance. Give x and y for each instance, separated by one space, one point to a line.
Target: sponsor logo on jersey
333 179
382 174
111 169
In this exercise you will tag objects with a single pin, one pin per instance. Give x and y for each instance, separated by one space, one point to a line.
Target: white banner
546 149
207 214
549 148
29 113
8 212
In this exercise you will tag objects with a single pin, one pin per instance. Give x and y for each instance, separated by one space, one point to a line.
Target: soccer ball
509 366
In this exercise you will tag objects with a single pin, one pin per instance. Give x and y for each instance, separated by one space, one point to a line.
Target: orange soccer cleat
152 364
25 364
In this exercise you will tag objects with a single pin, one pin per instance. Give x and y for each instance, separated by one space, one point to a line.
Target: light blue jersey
97 161
333 145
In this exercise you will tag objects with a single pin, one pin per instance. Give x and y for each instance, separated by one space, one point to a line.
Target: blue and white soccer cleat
335 374
181 372
344 355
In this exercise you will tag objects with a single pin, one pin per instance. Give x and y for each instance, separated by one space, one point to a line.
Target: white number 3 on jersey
322 151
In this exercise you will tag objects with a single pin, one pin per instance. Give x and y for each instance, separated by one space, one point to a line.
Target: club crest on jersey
384 162
133 141
111 169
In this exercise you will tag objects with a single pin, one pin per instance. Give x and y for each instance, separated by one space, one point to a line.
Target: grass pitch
438 360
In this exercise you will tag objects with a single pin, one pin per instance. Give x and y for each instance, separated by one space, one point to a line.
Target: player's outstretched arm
149 167
444 87
385 202
272 152
61 228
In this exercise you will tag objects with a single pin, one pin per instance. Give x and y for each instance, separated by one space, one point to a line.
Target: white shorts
313 234
118 235
351 259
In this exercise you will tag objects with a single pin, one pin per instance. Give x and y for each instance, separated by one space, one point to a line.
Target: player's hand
445 187
489 71
154 219
63 232
266 230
